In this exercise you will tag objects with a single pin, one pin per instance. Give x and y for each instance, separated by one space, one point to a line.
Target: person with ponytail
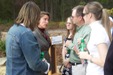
100 38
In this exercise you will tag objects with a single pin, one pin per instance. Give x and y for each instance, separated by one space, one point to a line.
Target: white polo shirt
98 35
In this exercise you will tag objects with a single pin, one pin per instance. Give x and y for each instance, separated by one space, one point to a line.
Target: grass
56 25
2 48
2 45
6 24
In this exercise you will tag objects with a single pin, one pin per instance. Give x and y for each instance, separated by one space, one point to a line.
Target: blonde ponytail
106 23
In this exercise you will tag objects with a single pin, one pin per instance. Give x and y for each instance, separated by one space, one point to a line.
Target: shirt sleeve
100 37
70 46
31 51
86 36
47 69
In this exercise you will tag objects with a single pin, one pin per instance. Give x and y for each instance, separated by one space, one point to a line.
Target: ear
80 18
90 15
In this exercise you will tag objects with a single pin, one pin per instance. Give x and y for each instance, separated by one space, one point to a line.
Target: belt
74 64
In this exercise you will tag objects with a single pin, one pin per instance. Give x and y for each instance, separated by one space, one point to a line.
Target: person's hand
79 41
66 63
65 51
44 60
75 49
48 67
68 42
84 55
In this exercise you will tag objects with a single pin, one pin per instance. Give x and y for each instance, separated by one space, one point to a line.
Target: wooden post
53 59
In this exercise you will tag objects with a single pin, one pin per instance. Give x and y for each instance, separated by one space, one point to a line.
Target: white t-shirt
98 35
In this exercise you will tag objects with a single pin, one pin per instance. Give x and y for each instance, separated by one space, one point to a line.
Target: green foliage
6 22
110 11
6 9
56 25
58 9
2 46
103 1
5 25
82 3
53 25
62 24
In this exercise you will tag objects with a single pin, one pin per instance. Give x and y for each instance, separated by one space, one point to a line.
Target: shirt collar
22 24
93 24
79 27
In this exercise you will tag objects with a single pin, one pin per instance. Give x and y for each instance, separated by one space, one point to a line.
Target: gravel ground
2 70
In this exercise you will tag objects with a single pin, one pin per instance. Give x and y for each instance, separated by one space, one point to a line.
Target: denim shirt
23 52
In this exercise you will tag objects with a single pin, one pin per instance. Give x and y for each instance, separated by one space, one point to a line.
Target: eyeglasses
83 14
